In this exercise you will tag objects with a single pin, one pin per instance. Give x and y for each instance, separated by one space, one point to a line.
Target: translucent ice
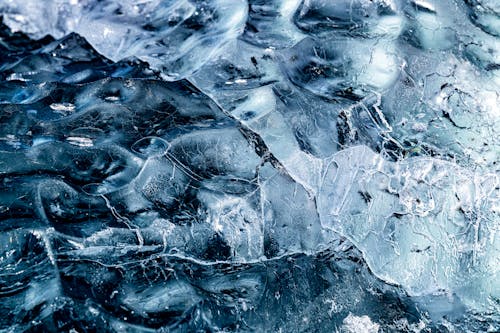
176 36
425 224
247 166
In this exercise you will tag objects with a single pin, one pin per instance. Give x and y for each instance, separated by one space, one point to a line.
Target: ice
274 166
426 224
176 36
23 255
359 324
485 15
170 297
359 17
431 26
334 71
269 23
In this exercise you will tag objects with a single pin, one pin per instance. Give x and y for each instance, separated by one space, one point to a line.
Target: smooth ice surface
297 165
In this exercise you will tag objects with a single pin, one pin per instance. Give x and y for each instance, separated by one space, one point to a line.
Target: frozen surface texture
250 166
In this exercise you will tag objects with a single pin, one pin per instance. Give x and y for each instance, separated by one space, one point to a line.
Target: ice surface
176 36
281 166
422 223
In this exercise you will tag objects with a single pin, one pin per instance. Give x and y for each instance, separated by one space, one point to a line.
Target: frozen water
280 166
175 35
422 223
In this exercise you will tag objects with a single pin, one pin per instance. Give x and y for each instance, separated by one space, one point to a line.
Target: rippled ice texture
249 166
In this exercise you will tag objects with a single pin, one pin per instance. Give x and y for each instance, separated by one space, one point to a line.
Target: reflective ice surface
281 166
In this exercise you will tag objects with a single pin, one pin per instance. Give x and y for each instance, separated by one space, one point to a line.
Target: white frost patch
63 108
80 141
363 324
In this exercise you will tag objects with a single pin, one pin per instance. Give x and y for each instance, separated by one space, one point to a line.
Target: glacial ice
297 165
175 36
422 213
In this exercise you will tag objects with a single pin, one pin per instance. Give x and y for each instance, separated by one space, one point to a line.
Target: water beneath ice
249 166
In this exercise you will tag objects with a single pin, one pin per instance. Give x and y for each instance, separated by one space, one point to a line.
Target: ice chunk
291 221
70 59
457 121
172 297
